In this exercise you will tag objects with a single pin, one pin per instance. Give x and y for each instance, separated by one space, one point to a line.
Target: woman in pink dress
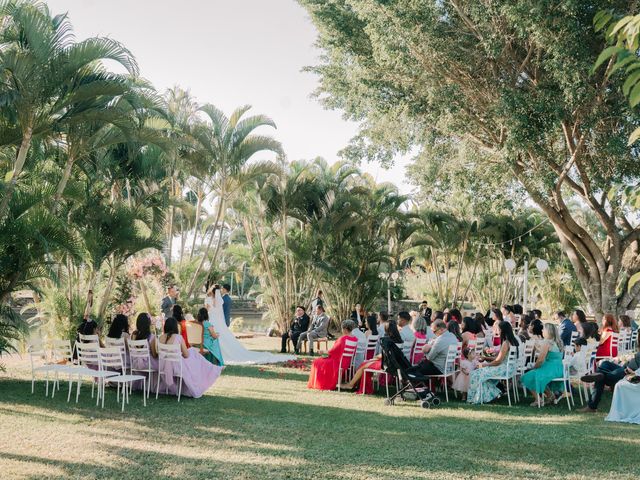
468 364
143 332
198 374
324 371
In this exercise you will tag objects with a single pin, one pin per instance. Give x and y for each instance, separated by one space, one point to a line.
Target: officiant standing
169 301
226 303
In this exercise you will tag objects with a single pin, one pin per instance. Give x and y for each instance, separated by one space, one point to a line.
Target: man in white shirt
406 332
435 358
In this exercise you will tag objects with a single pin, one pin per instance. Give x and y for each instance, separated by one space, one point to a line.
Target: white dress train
233 352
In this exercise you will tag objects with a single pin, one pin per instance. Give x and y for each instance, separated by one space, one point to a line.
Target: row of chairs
101 365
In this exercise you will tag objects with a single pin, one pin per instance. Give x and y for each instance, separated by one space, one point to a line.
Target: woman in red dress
420 328
391 330
609 326
179 316
324 371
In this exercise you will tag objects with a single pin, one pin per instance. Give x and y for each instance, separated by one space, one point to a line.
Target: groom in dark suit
226 303
298 325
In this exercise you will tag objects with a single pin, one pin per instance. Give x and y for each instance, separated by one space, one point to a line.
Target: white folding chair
623 342
89 362
510 374
574 336
568 351
140 353
62 357
566 381
450 367
407 348
633 342
348 355
111 359
170 353
418 345
372 342
120 344
480 347
38 354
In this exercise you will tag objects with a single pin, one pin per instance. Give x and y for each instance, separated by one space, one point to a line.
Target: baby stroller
395 363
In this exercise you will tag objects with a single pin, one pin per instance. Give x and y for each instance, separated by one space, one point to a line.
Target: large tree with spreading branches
511 81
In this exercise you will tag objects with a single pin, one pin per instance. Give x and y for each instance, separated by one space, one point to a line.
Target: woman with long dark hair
178 316
209 339
496 316
468 331
143 332
119 327
579 319
454 328
481 388
198 374
372 326
609 327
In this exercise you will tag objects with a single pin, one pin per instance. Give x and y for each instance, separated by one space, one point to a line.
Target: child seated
467 365
578 362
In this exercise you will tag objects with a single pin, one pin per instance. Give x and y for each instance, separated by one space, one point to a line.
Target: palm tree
229 143
47 78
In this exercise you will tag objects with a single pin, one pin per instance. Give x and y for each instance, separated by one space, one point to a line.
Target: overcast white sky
230 53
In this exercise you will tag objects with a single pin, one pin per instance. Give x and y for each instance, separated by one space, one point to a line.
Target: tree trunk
143 289
17 170
197 224
206 252
107 293
66 174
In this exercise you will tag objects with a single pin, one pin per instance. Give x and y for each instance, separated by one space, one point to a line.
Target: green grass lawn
262 422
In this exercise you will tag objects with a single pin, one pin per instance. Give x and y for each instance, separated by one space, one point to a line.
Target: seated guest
425 312
481 388
182 323
382 320
435 358
210 341
119 327
481 324
579 319
319 329
547 367
420 329
578 361
590 332
625 405
143 332
535 332
508 314
198 374
523 331
566 328
454 327
373 364
324 371
607 374
404 324
372 326
609 326
468 331
496 318
537 314
88 327
299 324
624 324
454 315
362 345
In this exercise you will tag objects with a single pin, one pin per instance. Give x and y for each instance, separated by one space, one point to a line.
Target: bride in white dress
233 352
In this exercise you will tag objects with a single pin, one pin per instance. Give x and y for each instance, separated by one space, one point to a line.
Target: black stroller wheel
388 402
426 404
435 401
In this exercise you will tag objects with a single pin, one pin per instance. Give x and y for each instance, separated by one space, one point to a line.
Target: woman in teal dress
547 367
209 339
481 388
